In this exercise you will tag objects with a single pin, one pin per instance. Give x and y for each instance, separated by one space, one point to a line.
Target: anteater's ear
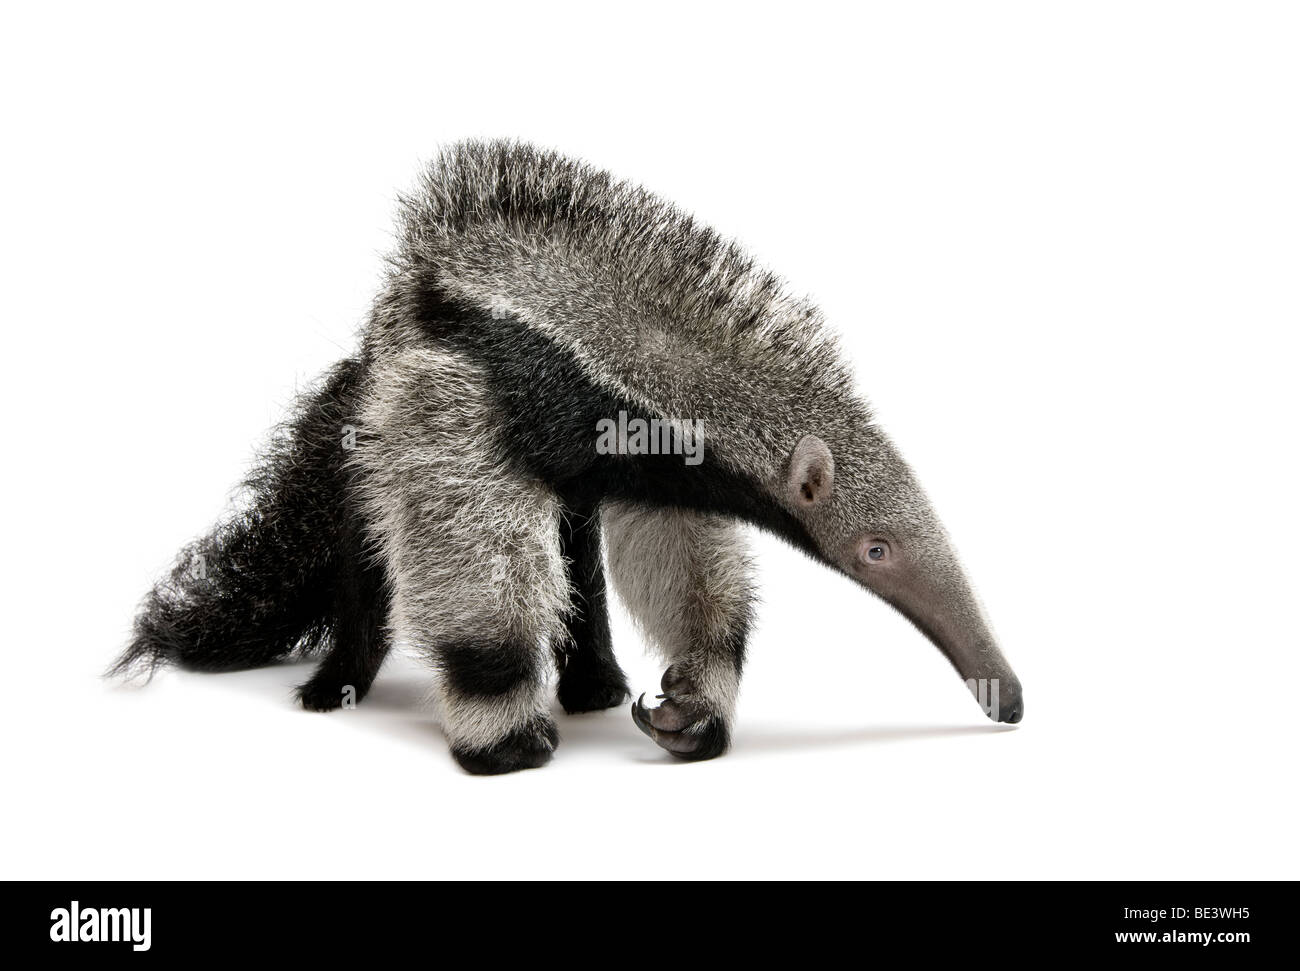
812 472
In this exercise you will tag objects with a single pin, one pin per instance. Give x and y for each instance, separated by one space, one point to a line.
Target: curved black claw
681 729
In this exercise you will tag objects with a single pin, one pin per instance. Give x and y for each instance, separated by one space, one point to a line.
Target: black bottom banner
586 923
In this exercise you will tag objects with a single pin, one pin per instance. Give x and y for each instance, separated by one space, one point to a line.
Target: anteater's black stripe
486 669
552 409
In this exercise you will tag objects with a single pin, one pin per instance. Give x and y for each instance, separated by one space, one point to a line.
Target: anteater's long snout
948 614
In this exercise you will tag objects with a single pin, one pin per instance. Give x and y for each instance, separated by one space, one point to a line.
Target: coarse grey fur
532 260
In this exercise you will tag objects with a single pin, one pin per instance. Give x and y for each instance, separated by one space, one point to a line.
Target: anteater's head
868 517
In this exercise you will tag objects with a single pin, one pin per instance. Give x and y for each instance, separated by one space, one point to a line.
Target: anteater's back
656 306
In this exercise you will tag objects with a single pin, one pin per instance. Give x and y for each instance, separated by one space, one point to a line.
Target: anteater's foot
586 690
328 693
525 748
684 723
318 695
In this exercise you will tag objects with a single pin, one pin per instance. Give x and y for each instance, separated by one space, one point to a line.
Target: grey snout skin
1011 703
987 674
951 619
991 680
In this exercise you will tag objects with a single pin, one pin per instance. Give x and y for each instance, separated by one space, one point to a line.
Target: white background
1061 242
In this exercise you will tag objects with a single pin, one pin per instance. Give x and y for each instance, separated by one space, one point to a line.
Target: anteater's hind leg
360 641
686 578
590 678
472 553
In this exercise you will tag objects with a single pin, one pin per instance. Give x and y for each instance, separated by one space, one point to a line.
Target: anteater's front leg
484 612
686 578
472 554
483 600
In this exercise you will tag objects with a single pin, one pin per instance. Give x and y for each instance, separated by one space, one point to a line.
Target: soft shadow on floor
401 693
398 706
758 739
611 731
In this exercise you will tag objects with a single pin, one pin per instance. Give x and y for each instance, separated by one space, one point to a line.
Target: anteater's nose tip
1013 712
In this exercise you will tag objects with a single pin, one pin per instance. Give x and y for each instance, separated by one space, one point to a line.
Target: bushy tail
260 586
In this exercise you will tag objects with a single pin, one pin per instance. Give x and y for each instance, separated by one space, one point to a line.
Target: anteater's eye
873 551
